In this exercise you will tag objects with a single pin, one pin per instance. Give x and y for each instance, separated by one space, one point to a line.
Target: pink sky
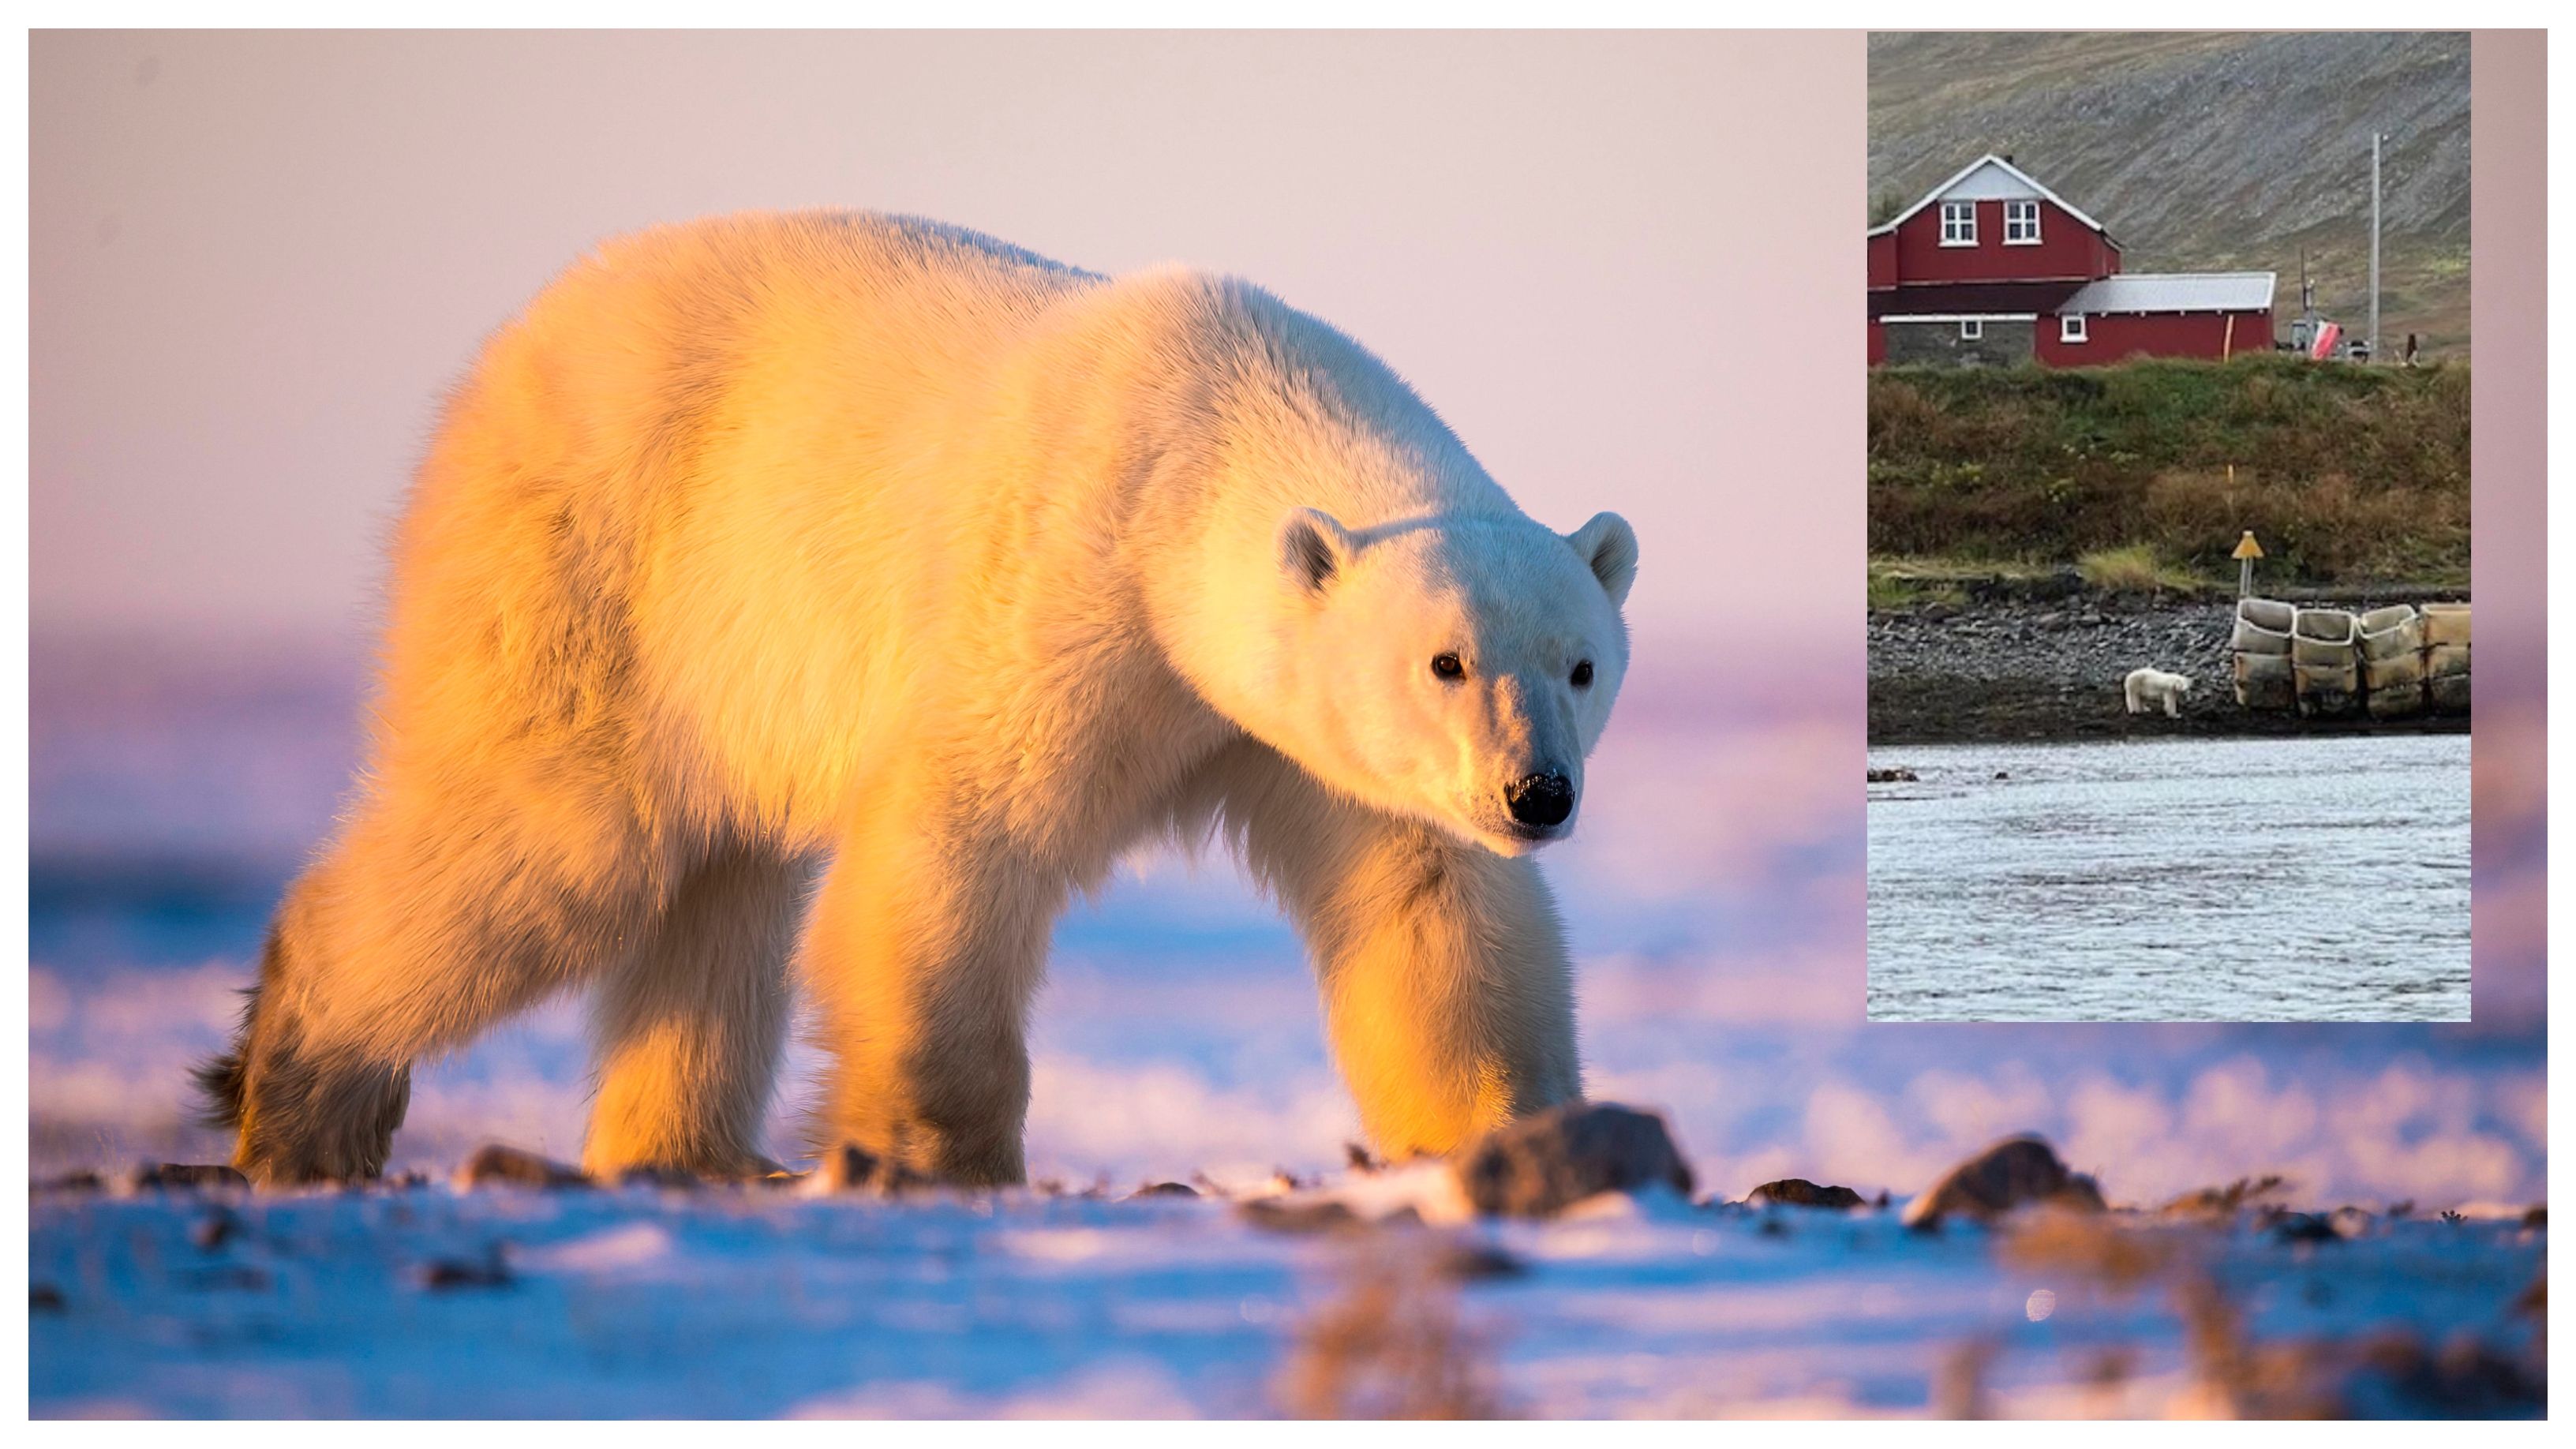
257 258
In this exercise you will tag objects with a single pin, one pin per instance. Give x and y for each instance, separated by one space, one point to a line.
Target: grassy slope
2204 151
2345 473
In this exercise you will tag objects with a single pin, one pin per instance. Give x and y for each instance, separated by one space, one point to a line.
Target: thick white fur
851 591
2149 688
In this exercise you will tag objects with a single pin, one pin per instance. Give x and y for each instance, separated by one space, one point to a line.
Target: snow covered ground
752 1302
1715 899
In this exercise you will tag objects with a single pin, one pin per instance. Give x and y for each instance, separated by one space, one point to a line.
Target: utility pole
2306 332
2375 138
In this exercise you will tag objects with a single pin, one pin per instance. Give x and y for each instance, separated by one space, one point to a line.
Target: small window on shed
1958 223
2021 223
1971 328
2070 328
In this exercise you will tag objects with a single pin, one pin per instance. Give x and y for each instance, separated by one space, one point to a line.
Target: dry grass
1391 1345
2346 474
2233 1375
2132 569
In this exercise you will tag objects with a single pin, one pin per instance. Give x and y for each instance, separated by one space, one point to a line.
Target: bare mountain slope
2211 150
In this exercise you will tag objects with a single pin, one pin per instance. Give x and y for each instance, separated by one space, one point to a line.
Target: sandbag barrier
2391 663
2261 646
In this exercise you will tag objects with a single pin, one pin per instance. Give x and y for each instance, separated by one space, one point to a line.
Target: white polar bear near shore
2149 688
863 561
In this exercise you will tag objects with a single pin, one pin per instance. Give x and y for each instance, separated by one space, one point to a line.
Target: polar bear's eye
1583 674
1446 666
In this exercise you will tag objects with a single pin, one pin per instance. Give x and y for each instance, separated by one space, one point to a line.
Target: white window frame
2070 327
1958 223
2021 223
1972 329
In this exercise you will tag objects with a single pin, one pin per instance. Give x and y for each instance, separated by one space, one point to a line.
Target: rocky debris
1894 775
187 1177
1544 1164
1164 1189
2222 1202
498 1165
80 1180
670 1179
443 1275
1798 1192
2007 668
1477 1263
2292 1227
852 1168
2088 646
1361 1159
1316 1216
2013 1173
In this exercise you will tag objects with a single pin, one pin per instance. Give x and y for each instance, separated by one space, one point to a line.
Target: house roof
2175 292
1971 169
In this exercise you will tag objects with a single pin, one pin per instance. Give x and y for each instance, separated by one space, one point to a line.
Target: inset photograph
2169 605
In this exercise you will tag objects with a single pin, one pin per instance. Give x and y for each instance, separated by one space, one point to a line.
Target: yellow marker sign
2246 547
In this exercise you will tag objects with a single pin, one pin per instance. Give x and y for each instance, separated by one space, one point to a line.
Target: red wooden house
1992 267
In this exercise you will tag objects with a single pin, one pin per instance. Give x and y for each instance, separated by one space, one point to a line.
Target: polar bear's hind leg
687 1033
438 914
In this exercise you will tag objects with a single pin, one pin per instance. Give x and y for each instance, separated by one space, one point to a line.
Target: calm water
2173 880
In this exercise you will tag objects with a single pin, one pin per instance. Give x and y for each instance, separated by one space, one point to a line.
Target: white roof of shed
2175 292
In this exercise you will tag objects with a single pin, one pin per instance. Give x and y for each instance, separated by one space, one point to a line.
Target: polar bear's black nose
1540 800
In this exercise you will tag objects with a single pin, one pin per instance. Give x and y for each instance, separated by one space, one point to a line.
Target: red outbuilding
1993 267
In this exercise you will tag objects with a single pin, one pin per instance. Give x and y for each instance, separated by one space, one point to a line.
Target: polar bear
816 602
2148 688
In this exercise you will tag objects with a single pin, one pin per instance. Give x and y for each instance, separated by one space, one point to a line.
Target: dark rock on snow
1798 1192
498 1165
852 1168
673 1178
78 1180
1546 1163
187 1177
1300 1217
443 1275
1478 1262
2013 1173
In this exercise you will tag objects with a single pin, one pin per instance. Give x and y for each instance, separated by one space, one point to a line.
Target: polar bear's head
1454 669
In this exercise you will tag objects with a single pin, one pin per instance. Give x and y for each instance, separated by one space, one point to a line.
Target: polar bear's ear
1313 546
1608 546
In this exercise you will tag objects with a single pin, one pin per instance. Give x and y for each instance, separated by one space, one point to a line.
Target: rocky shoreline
2050 668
